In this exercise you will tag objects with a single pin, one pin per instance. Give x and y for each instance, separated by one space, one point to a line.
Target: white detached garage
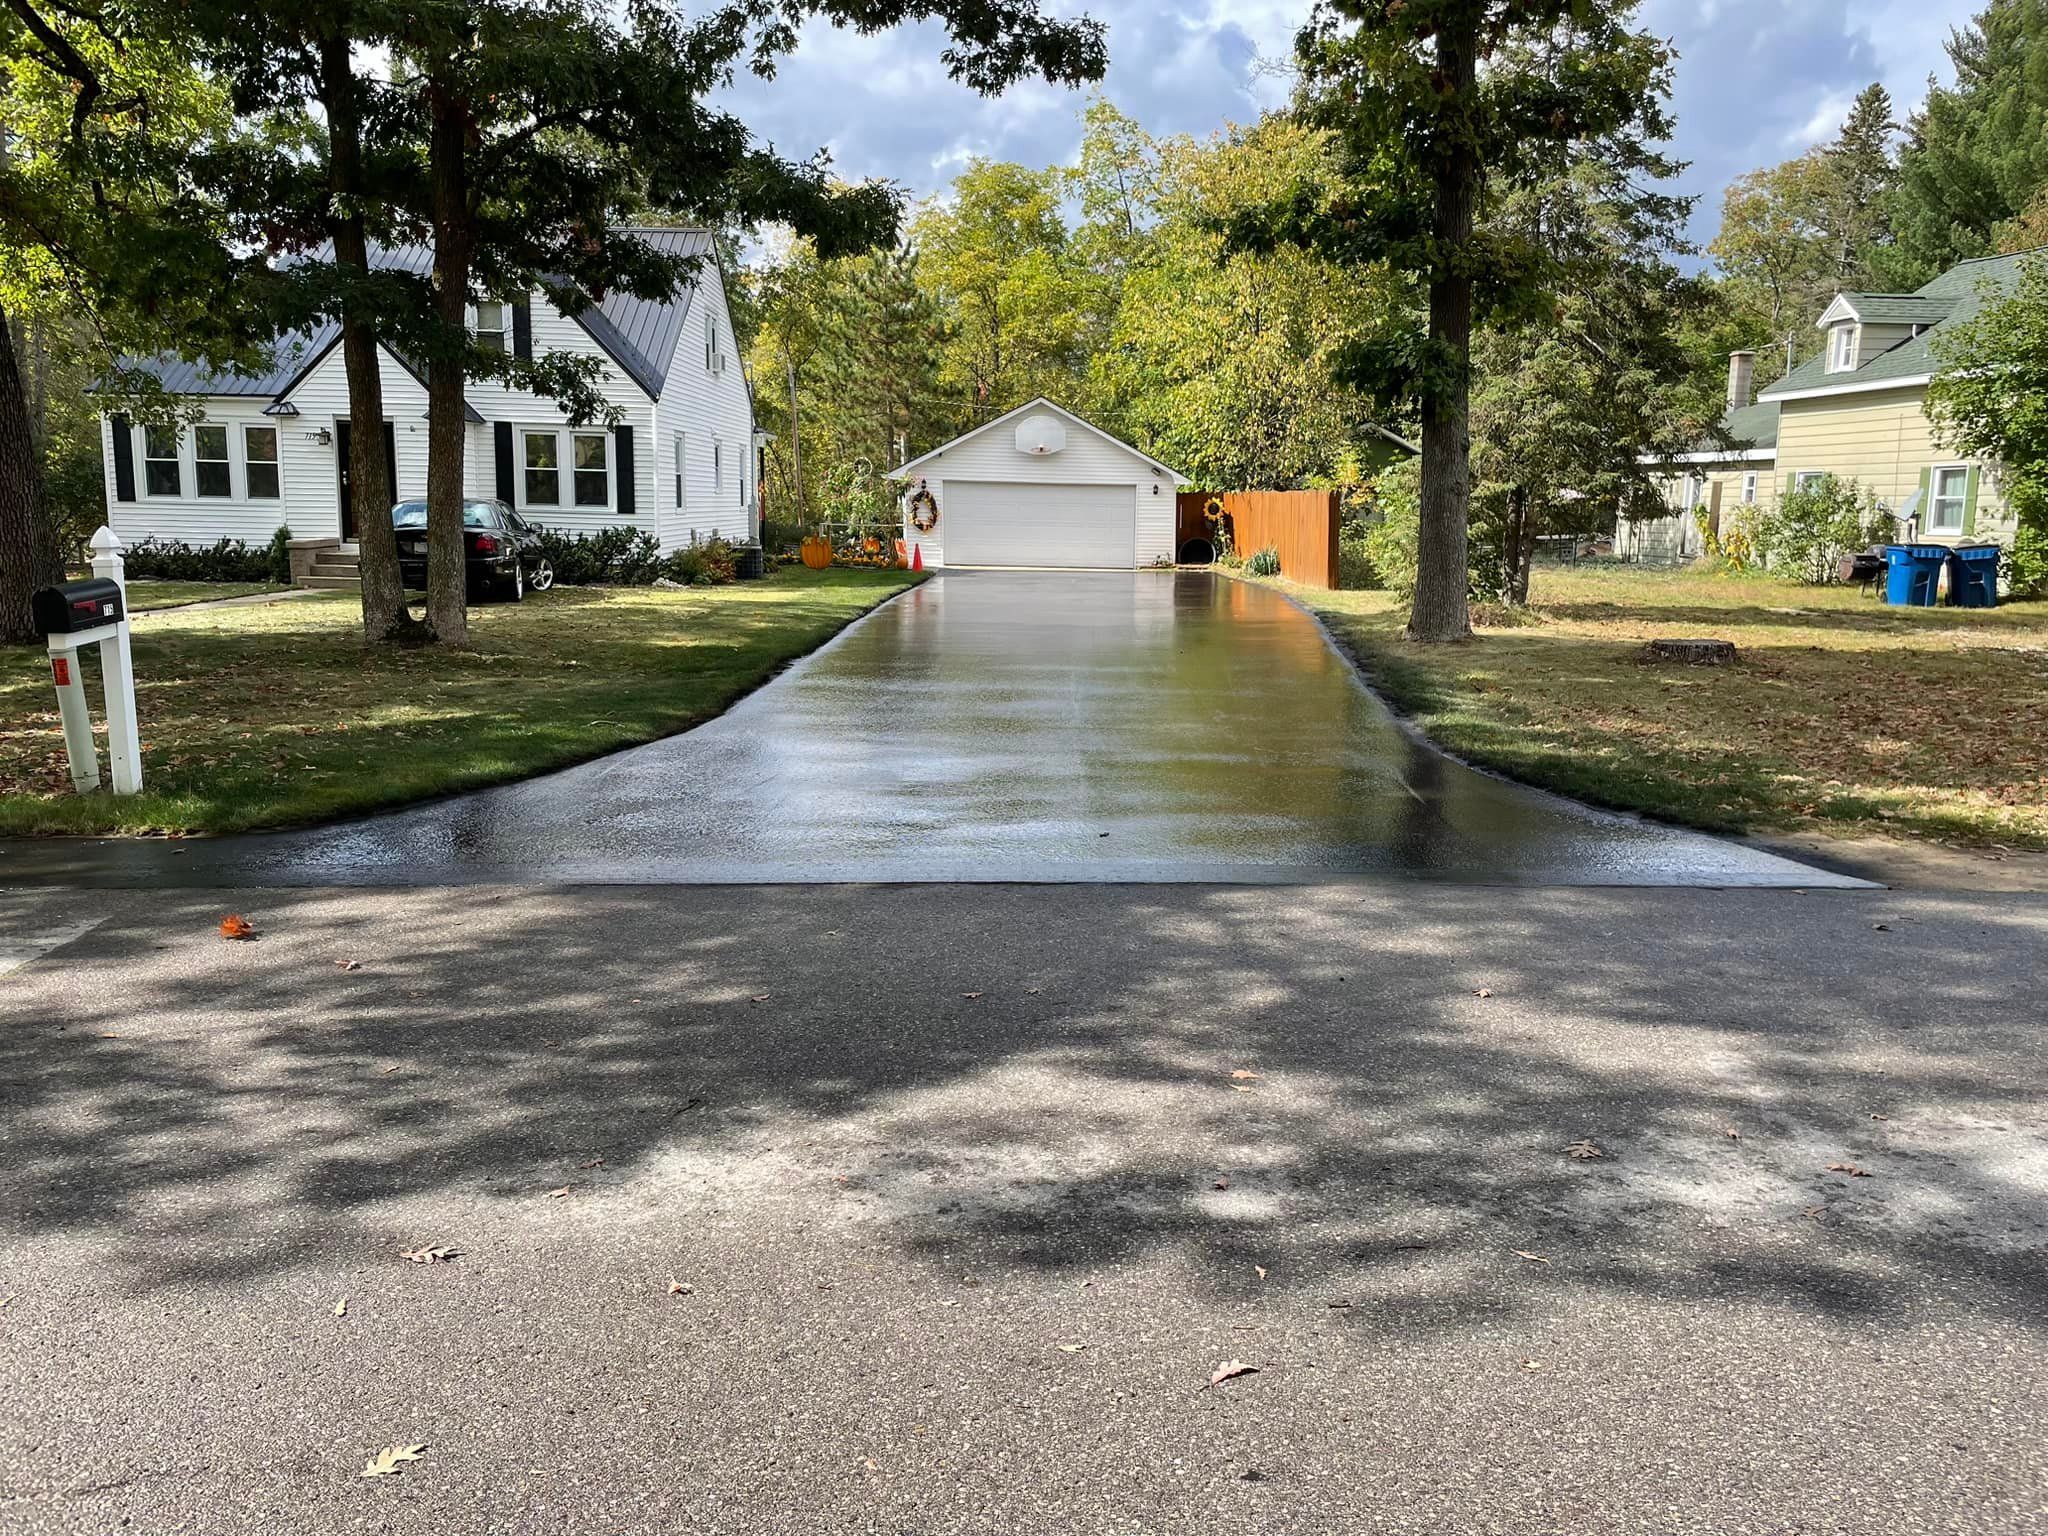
1039 486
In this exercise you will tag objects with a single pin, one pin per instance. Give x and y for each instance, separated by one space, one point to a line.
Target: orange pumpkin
817 552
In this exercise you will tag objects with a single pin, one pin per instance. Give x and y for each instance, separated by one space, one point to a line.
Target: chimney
1741 379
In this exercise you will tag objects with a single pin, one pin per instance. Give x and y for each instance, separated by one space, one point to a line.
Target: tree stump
1693 653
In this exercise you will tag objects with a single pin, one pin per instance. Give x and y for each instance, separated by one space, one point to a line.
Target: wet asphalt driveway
999 726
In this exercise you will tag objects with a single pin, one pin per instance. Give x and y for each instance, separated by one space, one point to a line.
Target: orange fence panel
1300 525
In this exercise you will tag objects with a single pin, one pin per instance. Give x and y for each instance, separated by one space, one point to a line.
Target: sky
1757 82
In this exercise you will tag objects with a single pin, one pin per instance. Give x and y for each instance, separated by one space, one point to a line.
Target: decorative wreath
924 510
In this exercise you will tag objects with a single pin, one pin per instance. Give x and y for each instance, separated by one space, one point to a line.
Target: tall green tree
1976 154
1437 106
1990 401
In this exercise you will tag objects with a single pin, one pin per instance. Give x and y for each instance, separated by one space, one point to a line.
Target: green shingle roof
1753 426
1899 308
1956 291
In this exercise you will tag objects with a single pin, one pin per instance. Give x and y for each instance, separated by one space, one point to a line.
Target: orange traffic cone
917 557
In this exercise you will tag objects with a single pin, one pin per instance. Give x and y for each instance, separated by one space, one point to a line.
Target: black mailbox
77 605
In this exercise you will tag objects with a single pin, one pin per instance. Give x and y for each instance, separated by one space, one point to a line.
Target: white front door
992 523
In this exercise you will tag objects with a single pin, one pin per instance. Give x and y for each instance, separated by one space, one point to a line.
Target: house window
490 327
259 463
711 343
212 474
543 470
593 477
1749 489
717 465
161 473
681 462
1950 488
1842 349
1808 479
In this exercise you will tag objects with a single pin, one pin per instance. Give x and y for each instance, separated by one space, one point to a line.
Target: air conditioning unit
717 364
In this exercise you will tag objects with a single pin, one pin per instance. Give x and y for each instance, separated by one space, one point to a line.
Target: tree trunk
796 452
28 547
1442 571
385 618
1524 524
454 245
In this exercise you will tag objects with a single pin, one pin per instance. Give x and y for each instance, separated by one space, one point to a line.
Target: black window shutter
124 460
522 330
622 439
501 436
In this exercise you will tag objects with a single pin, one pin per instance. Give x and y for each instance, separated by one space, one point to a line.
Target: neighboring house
1722 478
1039 486
272 449
1857 412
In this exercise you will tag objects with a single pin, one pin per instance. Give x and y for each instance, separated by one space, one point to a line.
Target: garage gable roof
1040 403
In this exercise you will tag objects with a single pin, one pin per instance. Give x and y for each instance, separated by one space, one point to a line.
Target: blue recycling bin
1913 576
1973 578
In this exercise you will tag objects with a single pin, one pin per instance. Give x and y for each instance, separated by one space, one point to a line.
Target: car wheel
517 590
543 575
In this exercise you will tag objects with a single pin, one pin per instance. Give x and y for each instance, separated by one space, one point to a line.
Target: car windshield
475 514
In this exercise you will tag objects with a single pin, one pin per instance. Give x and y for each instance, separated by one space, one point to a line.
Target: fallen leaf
676 1287
1532 1365
1032 991
591 1162
392 1068
386 1462
1850 1169
1229 1369
1882 927
236 926
763 997
1244 1076
1584 1151
1484 992
1221 1184
1239 1088
1261 1269
971 995
1070 1349
430 1255
1880 1117
348 965
1533 1258
1340 1303
341 1307
1731 1133
557 1194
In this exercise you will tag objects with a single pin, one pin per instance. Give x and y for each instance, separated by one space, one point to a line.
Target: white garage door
1072 525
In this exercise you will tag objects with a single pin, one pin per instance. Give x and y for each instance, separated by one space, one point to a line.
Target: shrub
1813 527
1355 570
1389 544
280 556
2026 563
1265 563
632 557
154 559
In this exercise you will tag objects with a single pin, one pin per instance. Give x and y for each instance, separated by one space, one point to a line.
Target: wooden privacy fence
1301 525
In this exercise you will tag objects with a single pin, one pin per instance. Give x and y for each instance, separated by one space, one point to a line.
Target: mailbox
77 606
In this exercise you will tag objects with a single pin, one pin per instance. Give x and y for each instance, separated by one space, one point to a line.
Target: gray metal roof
640 335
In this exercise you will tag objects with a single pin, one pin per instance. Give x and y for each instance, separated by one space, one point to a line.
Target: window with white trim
541 484
1948 492
259 464
162 473
492 320
1842 349
592 474
1749 489
1808 479
711 348
682 464
717 465
213 473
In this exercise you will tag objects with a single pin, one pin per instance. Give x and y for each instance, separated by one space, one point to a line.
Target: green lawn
1843 716
276 713
146 595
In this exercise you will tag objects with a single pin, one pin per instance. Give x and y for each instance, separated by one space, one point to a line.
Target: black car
504 556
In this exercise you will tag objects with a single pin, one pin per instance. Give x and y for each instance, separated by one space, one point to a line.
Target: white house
1039 486
271 450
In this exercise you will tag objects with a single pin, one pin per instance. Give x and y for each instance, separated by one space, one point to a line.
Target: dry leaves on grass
1227 1370
430 1255
236 926
387 1462
1850 1169
1584 1151
1533 1258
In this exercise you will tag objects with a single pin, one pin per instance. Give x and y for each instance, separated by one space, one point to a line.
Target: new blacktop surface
933 1208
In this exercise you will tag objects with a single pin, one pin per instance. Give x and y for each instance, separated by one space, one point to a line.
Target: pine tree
1976 154
1863 171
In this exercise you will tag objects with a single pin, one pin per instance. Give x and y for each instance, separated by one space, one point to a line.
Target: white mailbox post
80 604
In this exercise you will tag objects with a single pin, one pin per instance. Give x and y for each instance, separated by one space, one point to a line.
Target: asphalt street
926 1209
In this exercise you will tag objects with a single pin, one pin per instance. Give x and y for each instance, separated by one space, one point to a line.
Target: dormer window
1842 349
